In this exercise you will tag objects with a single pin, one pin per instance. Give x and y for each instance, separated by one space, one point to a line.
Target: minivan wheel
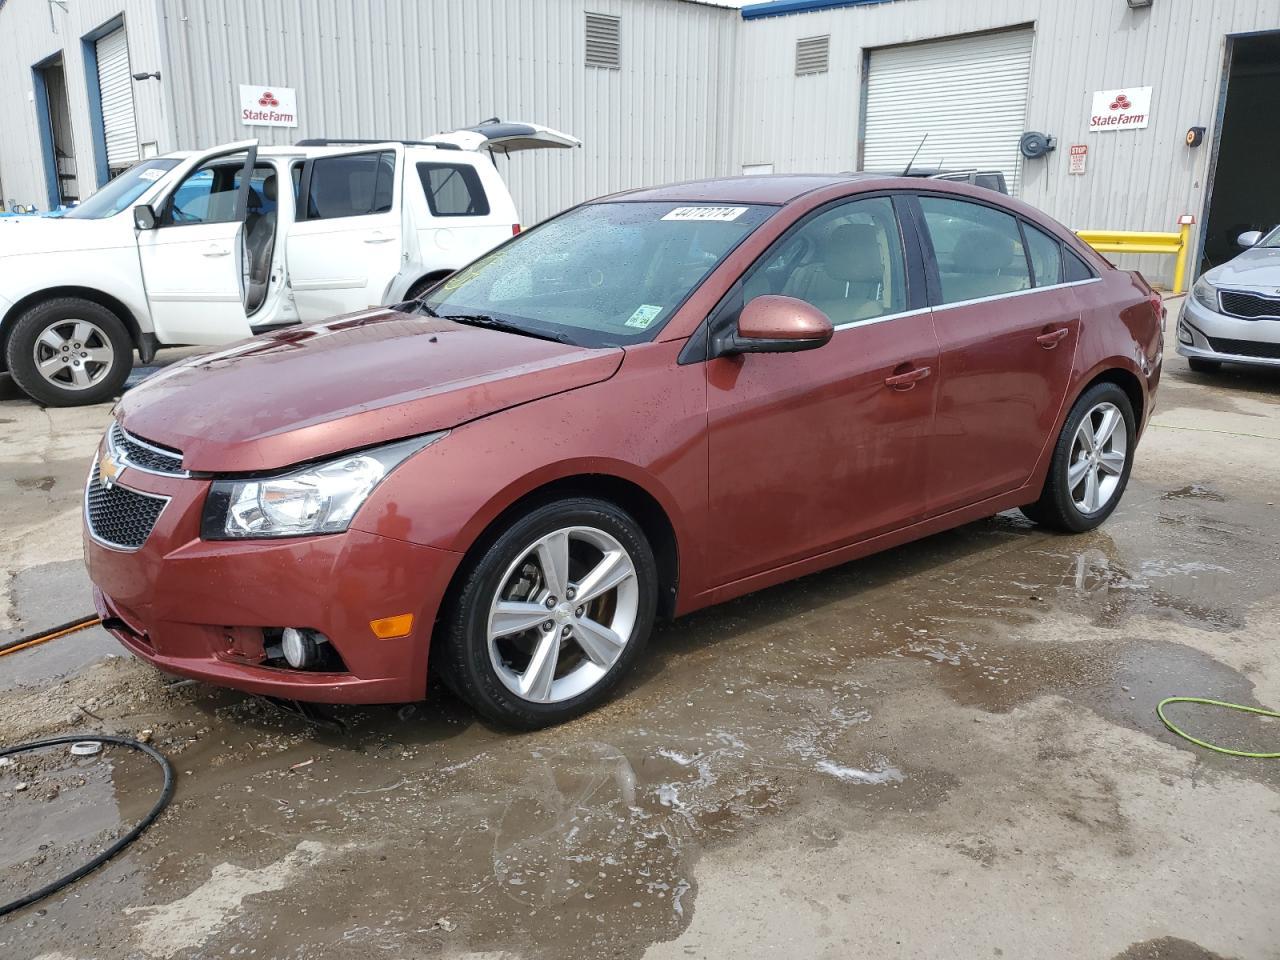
1091 462
68 352
551 616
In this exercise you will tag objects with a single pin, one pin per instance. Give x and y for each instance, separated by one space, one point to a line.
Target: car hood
1257 268
43 235
309 392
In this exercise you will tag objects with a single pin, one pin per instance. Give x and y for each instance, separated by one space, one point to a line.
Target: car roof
777 188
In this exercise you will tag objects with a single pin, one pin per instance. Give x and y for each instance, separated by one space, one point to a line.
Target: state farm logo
1121 102
268 99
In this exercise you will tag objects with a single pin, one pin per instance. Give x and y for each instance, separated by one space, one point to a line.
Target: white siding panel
962 103
115 85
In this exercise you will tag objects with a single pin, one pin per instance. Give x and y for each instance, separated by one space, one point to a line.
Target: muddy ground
948 750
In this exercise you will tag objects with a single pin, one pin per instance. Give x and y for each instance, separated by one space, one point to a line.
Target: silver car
1233 312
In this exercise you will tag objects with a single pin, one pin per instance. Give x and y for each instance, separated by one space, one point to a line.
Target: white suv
212 247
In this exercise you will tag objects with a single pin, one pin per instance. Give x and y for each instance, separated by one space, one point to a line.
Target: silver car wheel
563 613
1098 455
73 354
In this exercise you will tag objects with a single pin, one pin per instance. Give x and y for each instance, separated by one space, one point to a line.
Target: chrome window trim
88 523
124 461
962 303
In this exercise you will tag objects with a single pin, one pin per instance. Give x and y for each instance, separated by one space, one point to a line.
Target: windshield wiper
493 323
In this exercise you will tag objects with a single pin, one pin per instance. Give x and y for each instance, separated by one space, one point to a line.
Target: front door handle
1052 338
908 379
213 250
378 238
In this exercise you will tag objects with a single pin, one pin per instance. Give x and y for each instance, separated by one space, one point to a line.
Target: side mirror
144 217
1249 238
772 324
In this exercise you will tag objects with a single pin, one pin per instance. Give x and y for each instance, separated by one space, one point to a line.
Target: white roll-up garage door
115 86
968 94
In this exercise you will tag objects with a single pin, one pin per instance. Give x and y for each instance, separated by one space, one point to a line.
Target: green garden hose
1215 703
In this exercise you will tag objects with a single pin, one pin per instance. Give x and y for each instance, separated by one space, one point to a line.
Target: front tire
551 616
1199 365
69 352
1091 462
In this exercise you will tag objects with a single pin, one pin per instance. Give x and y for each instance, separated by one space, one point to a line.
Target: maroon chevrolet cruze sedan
648 404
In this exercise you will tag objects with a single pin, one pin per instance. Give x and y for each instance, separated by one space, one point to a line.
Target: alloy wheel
563 613
73 354
1099 451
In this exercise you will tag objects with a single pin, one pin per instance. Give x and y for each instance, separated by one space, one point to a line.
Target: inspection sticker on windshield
720 214
645 314
151 173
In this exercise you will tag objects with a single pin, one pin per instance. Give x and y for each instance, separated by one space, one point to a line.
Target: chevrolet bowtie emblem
109 471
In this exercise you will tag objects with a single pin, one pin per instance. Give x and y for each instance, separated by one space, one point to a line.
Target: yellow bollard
1180 265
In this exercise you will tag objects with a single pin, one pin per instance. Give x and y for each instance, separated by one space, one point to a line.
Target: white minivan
210 247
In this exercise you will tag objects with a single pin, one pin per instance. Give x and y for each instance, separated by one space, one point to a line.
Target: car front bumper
198 608
1209 335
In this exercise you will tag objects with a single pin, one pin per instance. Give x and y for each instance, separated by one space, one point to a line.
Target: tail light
515 229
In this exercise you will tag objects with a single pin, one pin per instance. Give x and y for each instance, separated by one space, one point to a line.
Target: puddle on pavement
437 832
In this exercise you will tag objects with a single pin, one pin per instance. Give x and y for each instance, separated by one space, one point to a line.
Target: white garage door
115 86
969 95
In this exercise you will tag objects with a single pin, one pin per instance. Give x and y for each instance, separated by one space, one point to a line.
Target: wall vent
812 55
603 41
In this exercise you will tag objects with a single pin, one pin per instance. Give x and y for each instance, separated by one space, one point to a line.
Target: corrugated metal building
697 89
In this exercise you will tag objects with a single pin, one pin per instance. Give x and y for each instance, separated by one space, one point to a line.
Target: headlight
1205 294
318 498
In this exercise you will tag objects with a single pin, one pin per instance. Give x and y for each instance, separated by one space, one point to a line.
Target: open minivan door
499 137
191 249
347 242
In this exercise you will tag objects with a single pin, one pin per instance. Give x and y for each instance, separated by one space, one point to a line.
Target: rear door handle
1052 338
907 380
378 238
213 250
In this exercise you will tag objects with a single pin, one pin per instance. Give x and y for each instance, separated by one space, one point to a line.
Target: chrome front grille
117 516
1249 306
131 451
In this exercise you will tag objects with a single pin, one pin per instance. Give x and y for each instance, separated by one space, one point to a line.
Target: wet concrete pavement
947 750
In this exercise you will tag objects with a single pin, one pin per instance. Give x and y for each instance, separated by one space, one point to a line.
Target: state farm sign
1125 109
268 106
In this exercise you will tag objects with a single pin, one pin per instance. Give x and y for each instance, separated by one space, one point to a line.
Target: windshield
604 274
1272 239
119 194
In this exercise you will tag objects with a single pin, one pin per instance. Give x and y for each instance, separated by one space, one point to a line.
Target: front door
1007 329
347 243
193 260
810 451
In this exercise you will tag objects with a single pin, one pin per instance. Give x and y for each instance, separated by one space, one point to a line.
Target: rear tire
1091 462
529 649
68 352
1199 365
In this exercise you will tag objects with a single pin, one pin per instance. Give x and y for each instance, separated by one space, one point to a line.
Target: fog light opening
301 647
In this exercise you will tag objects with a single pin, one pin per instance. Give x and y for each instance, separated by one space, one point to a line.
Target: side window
847 262
1046 256
354 185
1076 269
978 249
207 195
453 190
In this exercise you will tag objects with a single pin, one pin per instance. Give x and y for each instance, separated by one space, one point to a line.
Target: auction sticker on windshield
152 173
645 314
722 214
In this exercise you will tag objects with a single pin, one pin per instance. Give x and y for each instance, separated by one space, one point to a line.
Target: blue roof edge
778 8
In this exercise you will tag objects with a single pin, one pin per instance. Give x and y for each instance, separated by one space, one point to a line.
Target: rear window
453 190
351 186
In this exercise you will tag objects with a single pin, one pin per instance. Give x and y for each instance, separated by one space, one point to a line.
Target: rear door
809 451
347 242
193 261
1007 331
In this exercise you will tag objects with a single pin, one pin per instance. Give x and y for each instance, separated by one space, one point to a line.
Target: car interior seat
260 242
983 264
845 277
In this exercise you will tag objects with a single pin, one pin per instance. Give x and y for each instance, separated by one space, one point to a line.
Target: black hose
166 794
